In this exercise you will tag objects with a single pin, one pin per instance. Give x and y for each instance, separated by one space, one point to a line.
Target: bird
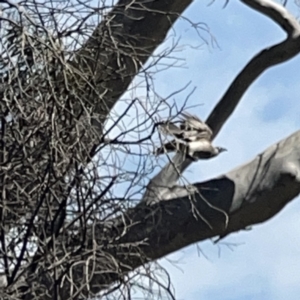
192 136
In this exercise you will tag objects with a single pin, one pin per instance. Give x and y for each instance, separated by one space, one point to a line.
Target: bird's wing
169 147
195 135
170 129
192 122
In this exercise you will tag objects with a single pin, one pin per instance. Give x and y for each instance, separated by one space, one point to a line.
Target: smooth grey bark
137 28
247 195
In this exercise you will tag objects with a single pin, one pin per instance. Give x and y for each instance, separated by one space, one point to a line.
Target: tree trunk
169 217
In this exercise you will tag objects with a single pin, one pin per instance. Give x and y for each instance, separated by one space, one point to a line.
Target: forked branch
265 59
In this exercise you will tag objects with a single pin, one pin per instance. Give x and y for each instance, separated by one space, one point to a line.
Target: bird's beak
222 149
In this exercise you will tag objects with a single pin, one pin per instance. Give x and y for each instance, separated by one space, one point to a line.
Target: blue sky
262 263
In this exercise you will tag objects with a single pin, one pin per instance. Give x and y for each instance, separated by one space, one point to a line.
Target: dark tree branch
267 58
137 28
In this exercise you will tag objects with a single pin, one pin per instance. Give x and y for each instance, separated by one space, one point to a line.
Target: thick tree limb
247 195
64 128
250 194
122 43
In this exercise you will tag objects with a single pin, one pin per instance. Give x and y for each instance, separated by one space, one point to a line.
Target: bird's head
221 149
